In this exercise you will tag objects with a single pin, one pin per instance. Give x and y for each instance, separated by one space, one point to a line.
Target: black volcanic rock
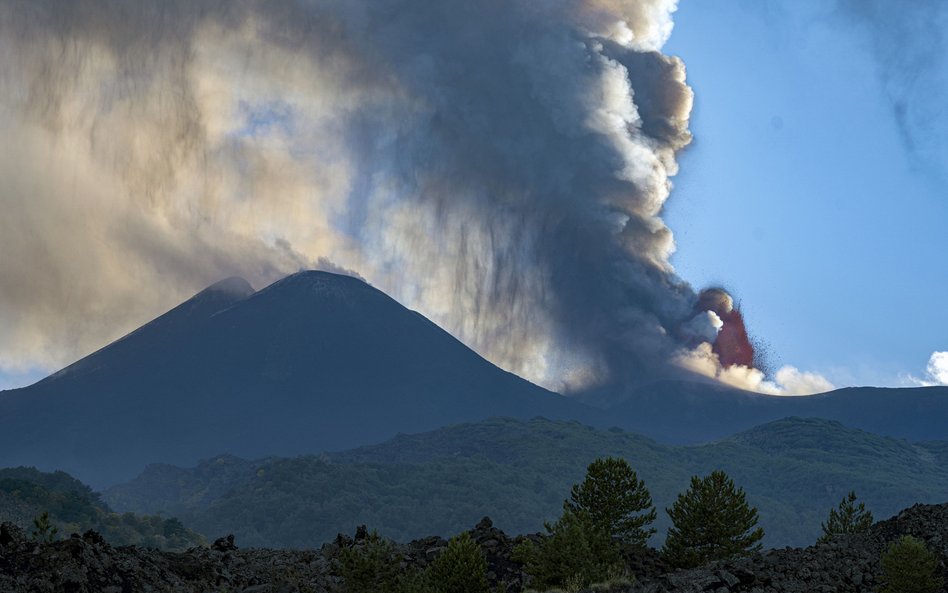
86 564
845 564
315 361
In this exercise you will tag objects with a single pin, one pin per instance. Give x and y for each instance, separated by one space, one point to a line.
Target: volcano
316 361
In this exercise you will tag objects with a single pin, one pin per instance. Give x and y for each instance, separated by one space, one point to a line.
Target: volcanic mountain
321 362
313 362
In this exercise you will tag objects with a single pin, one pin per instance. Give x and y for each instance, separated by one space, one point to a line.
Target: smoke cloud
936 372
500 166
788 380
938 368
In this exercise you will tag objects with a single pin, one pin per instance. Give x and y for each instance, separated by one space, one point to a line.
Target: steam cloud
500 166
938 368
936 372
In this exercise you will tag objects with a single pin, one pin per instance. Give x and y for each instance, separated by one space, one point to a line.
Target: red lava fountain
732 345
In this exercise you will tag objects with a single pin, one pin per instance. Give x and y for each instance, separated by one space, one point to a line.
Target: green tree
616 500
848 517
711 521
908 566
461 568
575 553
370 566
413 581
43 528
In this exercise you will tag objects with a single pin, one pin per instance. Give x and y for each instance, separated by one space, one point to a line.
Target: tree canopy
910 567
576 552
711 521
615 500
848 517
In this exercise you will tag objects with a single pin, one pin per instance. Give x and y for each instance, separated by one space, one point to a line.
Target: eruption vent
732 344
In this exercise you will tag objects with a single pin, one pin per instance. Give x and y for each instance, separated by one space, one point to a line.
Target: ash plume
500 166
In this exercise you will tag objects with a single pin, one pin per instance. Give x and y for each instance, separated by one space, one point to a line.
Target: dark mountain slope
695 412
155 338
315 361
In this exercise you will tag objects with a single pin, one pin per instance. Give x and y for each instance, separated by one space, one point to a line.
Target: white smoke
788 380
937 369
500 166
936 372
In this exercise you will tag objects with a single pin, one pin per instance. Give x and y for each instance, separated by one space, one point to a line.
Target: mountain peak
316 361
319 279
326 287
233 286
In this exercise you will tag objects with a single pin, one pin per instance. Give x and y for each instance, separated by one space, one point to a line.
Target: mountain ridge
319 361
690 412
314 361
519 472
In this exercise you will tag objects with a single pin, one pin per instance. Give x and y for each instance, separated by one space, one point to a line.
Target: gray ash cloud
501 166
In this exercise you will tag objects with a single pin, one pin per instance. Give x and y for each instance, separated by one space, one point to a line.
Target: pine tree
909 567
616 500
461 568
370 566
848 517
43 528
575 552
711 521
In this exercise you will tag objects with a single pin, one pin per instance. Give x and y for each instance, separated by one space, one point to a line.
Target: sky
812 189
800 195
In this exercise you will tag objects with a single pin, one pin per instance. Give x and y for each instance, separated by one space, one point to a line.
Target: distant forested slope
518 473
73 507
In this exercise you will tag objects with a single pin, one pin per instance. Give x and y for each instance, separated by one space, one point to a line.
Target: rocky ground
88 564
843 565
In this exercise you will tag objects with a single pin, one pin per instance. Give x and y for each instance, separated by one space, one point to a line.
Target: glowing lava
732 344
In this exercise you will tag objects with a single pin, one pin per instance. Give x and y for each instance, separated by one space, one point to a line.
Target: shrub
413 581
711 521
848 517
575 553
615 500
43 529
461 568
908 566
370 566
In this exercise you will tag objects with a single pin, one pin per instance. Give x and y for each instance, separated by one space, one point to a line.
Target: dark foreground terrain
87 563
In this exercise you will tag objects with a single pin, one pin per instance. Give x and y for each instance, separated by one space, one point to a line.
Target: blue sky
802 197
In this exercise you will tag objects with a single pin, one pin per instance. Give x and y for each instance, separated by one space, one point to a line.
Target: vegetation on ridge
581 551
440 482
56 504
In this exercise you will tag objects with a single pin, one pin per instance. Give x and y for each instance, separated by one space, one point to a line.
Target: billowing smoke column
500 166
